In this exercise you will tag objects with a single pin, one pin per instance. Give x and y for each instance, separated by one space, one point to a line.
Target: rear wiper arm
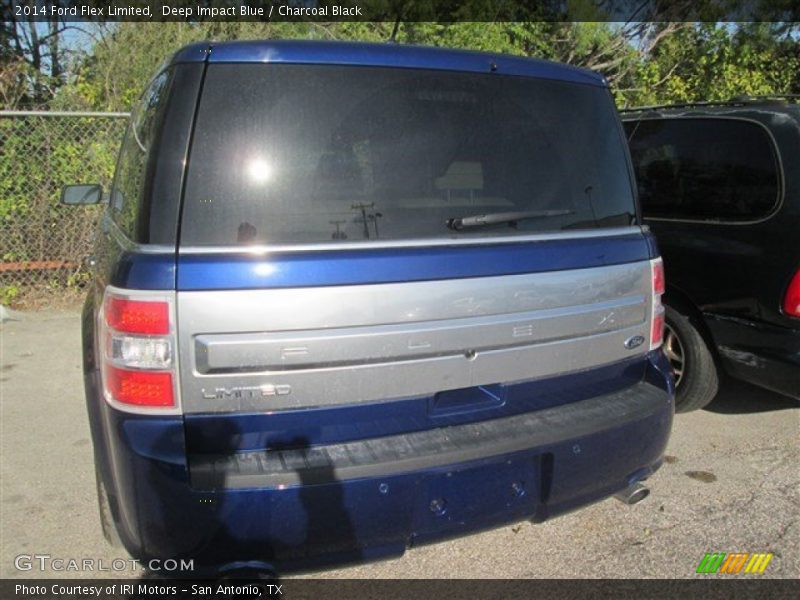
459 223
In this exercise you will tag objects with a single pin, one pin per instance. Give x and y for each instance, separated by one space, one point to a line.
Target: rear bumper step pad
428 449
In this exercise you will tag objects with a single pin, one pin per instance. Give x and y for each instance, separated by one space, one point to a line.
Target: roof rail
737 101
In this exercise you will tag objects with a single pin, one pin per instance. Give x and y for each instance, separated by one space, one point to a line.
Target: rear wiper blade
459 223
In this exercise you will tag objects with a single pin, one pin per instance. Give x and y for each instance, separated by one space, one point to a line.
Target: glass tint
307 154
130 178
704 168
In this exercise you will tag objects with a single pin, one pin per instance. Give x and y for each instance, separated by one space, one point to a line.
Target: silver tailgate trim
352 344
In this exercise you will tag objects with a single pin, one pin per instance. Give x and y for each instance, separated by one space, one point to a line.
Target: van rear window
288 154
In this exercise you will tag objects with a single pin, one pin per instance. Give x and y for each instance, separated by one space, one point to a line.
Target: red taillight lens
140 388
791 301
657 331
659 285
137 316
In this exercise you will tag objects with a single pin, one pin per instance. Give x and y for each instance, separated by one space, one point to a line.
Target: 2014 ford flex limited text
351 298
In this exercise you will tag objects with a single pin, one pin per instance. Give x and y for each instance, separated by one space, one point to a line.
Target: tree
644 62
33 59
717 61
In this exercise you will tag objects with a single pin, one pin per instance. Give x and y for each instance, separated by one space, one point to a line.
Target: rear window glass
704 168
135 163
311 154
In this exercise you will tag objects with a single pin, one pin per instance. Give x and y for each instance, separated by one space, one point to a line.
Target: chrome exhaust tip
253 571
632 494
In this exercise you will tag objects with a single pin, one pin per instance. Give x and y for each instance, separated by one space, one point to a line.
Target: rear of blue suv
352 298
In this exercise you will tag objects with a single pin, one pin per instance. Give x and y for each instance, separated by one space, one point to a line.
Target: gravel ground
730 483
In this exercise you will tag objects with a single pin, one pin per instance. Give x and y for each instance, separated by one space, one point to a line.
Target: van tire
106 516
699 381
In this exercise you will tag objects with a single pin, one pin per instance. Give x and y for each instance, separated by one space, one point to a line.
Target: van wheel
696 377
106 517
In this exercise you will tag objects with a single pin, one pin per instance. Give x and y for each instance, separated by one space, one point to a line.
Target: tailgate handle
463 400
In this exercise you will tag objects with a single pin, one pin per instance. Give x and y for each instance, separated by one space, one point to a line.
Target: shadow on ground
739 397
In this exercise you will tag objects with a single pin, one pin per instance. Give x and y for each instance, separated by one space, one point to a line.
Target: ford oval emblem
634 342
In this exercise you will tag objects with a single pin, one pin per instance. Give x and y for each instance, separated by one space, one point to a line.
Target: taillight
791 301
657 311
137 339
137 316
139 388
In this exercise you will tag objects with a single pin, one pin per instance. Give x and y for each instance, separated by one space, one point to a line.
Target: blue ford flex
352 298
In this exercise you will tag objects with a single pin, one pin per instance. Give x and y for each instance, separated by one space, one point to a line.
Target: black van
719 185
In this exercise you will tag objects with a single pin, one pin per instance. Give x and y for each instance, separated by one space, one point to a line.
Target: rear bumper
757 352
370 499
426 450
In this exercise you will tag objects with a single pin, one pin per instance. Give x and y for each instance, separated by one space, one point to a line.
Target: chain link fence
43 244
